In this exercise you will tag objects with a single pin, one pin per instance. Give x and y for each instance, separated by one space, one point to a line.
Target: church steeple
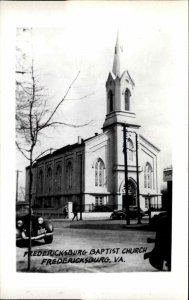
117 58
119 91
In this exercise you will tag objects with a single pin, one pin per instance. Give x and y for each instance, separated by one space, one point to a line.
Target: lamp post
149 199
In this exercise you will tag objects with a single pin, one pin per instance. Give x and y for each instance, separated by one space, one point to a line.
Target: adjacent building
91 172
167 197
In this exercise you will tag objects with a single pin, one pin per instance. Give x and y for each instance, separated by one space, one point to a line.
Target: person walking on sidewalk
65 212
75 211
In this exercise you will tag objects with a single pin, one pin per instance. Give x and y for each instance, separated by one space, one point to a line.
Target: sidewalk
103 224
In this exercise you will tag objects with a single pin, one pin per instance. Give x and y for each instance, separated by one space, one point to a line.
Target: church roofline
93 137
149 143
126 71
67 148
110 76
60 151
168 168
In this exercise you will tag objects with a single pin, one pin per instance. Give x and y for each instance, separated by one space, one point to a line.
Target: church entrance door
131 195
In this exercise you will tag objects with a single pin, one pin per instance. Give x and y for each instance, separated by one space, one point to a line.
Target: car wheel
48 239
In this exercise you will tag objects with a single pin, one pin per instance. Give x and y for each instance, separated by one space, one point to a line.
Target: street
90 246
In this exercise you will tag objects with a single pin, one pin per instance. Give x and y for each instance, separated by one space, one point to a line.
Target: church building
91 172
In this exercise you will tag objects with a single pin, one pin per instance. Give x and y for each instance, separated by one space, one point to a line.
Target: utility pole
149 199
126 172
138 193
17 175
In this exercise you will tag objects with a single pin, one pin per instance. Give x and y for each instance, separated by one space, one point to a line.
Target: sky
84 41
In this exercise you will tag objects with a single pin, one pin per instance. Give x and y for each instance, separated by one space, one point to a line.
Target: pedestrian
65 212
75 210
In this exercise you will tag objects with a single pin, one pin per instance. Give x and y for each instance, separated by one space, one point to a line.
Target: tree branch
20 149
81 98
42 154
66 124
54 111
30 94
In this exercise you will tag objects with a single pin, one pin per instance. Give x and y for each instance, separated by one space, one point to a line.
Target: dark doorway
131 195
131 200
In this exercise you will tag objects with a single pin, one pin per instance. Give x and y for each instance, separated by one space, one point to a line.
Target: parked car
41 229
118 215
121 214
154 221
162 249
133 212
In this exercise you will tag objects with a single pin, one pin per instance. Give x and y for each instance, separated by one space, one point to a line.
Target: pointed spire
117 58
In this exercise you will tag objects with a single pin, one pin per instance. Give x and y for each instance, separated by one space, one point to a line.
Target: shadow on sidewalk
110 226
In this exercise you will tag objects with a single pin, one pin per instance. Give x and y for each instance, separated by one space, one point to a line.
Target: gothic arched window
110 99
40 181
127 99
130 149
49 179
58 177
99 172
148 176
69 174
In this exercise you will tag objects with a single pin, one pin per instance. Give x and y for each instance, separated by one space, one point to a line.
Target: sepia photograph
95 87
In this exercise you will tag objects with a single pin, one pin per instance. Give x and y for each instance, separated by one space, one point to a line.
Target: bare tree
33 116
